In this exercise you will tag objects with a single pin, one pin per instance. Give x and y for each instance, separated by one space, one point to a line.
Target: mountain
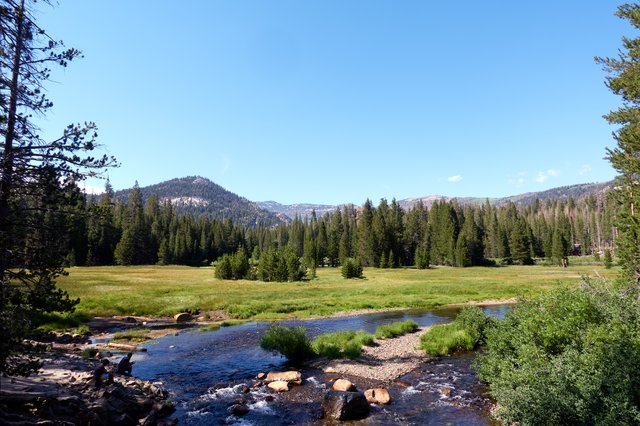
196 196
291 210
564 192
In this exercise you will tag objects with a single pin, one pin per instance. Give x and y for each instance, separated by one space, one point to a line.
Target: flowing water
206 372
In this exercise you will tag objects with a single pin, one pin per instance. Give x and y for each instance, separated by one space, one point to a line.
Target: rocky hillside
291 210
195 195
564 192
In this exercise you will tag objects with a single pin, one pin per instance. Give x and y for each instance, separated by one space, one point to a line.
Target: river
206 372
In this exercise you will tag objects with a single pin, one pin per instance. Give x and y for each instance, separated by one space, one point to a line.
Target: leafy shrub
395 329
466 332
445 338
89 353
352 268
341 344
571 356
291 342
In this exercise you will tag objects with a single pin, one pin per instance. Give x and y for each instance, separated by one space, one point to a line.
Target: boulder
294 377
338 405
377 396
343 385
238 410
279 386
445 392
182 317
261 376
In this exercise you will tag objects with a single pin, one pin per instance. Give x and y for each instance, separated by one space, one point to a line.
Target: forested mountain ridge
576 192
196 196
299 209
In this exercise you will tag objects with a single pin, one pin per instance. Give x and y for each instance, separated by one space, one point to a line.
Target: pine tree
624 80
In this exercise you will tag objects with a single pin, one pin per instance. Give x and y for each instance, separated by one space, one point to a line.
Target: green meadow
166 290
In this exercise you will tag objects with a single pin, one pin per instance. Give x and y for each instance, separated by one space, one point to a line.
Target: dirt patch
385 360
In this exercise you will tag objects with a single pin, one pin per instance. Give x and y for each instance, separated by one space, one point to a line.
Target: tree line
386 236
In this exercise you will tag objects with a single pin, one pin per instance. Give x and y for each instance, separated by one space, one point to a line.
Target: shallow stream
206 372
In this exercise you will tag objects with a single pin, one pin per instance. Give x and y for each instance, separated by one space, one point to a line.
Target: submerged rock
345 405
238 410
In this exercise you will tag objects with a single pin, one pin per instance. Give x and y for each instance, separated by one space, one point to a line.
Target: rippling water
205 372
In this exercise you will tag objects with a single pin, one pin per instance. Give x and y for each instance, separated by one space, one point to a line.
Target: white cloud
226 165
544 176
585 169
456 178
541 177
91 190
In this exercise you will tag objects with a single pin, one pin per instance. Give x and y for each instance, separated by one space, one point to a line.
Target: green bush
341 344
396 329
569 357
442 339
89 353
352 268
466 332
291 342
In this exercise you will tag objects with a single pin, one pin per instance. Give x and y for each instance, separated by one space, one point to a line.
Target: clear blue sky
339 101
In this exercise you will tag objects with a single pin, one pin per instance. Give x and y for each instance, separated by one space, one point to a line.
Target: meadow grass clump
467 331
89 353
396 329
50 321
230 323
210 327
442 339
292 342
341 344
133 335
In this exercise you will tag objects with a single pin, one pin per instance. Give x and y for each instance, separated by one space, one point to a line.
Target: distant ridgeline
194 221
196 196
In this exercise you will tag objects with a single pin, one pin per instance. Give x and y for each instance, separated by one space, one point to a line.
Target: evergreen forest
139 231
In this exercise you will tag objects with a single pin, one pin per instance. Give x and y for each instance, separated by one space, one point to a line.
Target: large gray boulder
339 405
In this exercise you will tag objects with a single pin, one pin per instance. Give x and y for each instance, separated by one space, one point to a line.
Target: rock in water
238 410
294 377
343 385
182 317
279 386
377 396
345 405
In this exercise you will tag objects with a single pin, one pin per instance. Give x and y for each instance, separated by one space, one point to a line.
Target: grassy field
166 290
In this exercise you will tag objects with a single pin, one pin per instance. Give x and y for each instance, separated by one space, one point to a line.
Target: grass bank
166 290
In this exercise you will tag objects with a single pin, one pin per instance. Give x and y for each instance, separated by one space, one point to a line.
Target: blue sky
339 101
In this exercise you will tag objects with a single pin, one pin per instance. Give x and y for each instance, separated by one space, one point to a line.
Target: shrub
89 353
442 339
396 329
352 268
291 342
608 260
467 331
341 344
571 356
